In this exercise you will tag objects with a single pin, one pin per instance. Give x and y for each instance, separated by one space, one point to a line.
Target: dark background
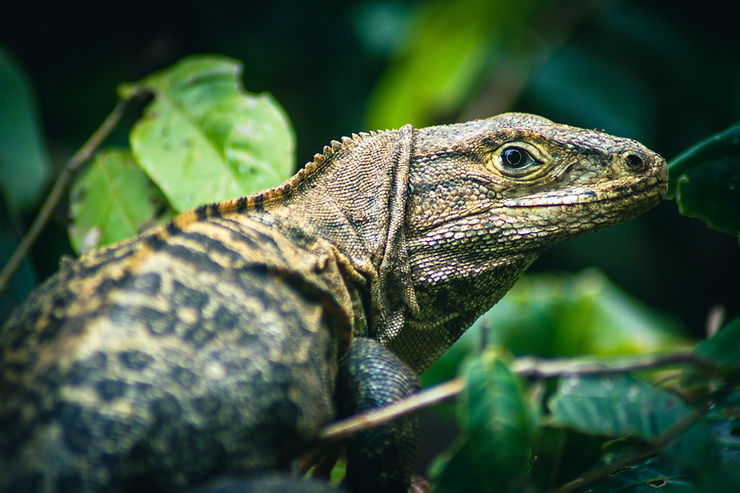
663 72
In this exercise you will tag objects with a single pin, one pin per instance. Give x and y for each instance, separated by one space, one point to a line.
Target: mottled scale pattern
188 360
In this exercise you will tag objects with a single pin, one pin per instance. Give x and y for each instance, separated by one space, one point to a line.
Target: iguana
220 344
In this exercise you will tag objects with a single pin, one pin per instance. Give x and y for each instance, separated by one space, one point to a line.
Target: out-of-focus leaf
443 61
724 480
724 423
660 473
112 200
24 280
706 181
724 347
551 315
204 139
382 27
23 161
499 427
723 350
626 406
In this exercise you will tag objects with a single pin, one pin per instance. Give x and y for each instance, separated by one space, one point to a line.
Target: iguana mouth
643 191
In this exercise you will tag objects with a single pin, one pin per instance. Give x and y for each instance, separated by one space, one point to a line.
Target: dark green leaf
722 351
23 161
499 429
650 475
724 347
204 139
706 181
625 406
112 200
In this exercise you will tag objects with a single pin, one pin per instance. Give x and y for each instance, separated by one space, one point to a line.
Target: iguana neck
354 195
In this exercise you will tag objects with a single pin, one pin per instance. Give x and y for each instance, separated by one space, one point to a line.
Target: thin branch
433 395
82 155
539 368
527 367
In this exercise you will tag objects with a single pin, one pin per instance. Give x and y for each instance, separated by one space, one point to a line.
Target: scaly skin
219 344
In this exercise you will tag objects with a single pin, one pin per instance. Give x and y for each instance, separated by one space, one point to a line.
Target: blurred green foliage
23 162
551 315
437 68
499 428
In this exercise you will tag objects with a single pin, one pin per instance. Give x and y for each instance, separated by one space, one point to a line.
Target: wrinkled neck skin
356 199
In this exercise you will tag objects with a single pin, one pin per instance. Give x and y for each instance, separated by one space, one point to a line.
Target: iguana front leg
371 377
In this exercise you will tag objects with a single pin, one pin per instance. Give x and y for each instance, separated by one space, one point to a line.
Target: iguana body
221 343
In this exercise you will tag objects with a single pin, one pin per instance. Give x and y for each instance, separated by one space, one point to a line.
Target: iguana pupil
515 157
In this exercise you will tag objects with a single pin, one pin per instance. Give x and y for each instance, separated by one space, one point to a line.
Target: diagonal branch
82 155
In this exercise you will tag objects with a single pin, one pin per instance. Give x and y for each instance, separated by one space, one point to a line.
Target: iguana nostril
634 161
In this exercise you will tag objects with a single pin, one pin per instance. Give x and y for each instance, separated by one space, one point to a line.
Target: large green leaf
706 181
626 406
23 161
112 200
499 426
724 347
204 139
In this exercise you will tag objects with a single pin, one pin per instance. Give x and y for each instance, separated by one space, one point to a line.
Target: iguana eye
516 158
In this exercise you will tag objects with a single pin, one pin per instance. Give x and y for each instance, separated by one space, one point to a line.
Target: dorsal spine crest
259 200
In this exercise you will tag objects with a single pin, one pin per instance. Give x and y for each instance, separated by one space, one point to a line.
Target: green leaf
724 347
645 476
112 200
722 350
706 181
626 406
24 165
499 426
204 139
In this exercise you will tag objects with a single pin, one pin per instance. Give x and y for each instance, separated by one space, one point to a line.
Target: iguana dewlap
218 345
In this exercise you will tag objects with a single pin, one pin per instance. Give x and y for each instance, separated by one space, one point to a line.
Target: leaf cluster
201 139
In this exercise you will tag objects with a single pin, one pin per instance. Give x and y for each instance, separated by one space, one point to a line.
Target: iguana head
520 182
486 197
